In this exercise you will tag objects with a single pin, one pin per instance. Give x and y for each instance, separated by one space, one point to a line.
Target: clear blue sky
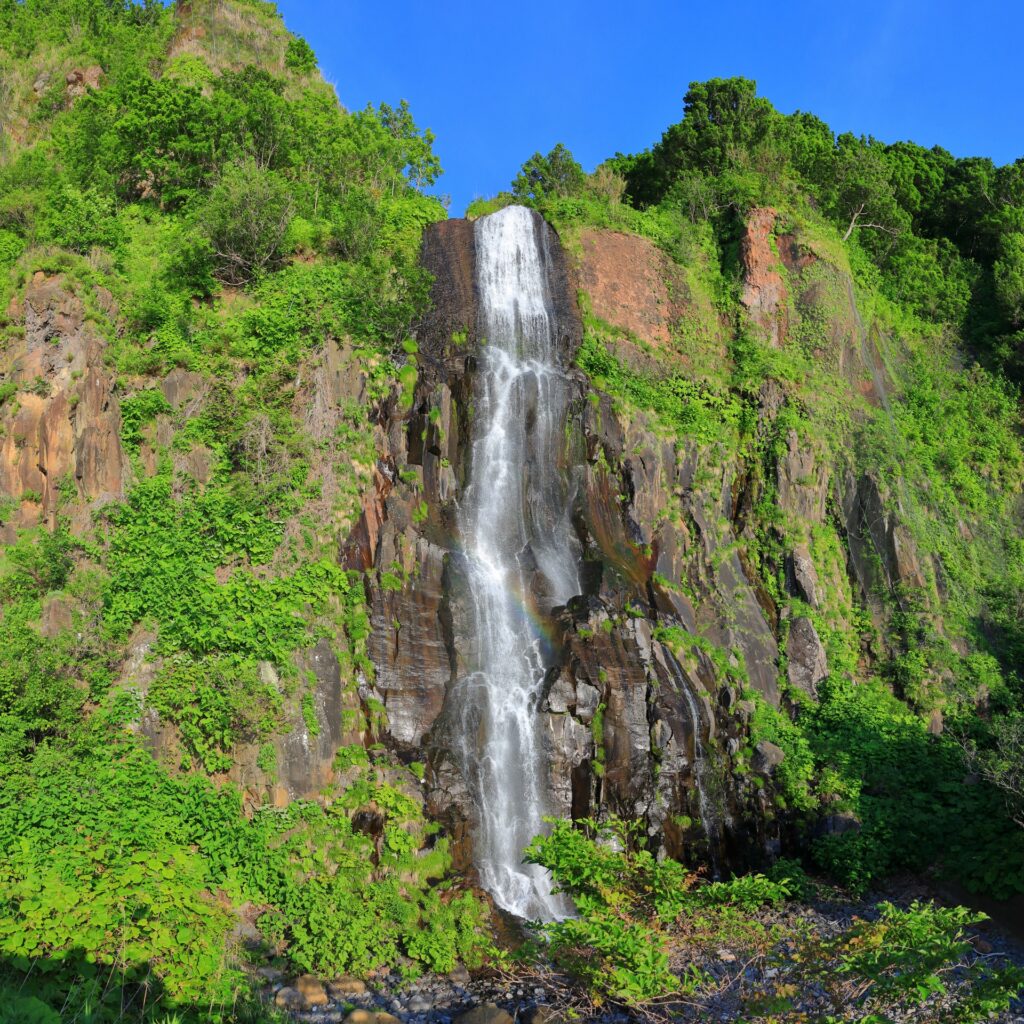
498 81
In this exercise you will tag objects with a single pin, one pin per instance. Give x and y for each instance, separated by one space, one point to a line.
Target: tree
299 56
724 121
256 115
863 193
1001 760
247 216
556 175
1008 277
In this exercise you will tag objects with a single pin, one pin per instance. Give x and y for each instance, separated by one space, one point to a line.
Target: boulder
837 824
808 663
459 975
486 1014
362 1017
804 576
767 757
288 998
345 986
312 991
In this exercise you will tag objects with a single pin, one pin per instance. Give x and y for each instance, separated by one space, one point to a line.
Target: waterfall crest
522 555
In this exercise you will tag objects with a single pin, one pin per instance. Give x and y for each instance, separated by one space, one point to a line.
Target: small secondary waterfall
521 551
708 799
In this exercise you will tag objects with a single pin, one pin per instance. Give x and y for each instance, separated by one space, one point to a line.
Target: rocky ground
541 995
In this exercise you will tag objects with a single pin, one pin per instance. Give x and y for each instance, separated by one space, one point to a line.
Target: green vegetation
241 221
645 924
234 239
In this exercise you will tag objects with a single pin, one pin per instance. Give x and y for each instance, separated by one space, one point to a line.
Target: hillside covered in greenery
210 296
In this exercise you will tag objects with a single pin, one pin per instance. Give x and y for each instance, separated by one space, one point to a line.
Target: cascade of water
522 555
708 799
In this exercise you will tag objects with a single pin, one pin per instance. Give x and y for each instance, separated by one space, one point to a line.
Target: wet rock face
625 720
807 662
65 424
882 552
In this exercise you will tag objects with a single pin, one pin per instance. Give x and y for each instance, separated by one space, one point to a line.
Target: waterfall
521 552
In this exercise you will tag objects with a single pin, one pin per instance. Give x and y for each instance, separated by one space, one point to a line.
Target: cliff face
64 428
647 712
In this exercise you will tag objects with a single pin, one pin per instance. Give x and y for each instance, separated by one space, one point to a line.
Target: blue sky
497 82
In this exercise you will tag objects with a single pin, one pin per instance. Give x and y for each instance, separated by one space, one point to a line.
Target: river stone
386 1018
312 991
459 975
361 1017
419 1003
288 998
486 1014
808 664
346 986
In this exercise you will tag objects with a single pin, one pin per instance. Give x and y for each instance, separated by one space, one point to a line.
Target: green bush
299 56
247 217
79 219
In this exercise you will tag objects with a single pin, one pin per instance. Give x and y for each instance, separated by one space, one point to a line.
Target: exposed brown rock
66 420
764 291
625 277
81 80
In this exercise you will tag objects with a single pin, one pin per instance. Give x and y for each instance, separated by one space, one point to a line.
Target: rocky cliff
647 712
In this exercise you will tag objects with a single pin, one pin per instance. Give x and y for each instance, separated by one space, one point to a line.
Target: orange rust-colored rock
764 291
65 420
625 277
